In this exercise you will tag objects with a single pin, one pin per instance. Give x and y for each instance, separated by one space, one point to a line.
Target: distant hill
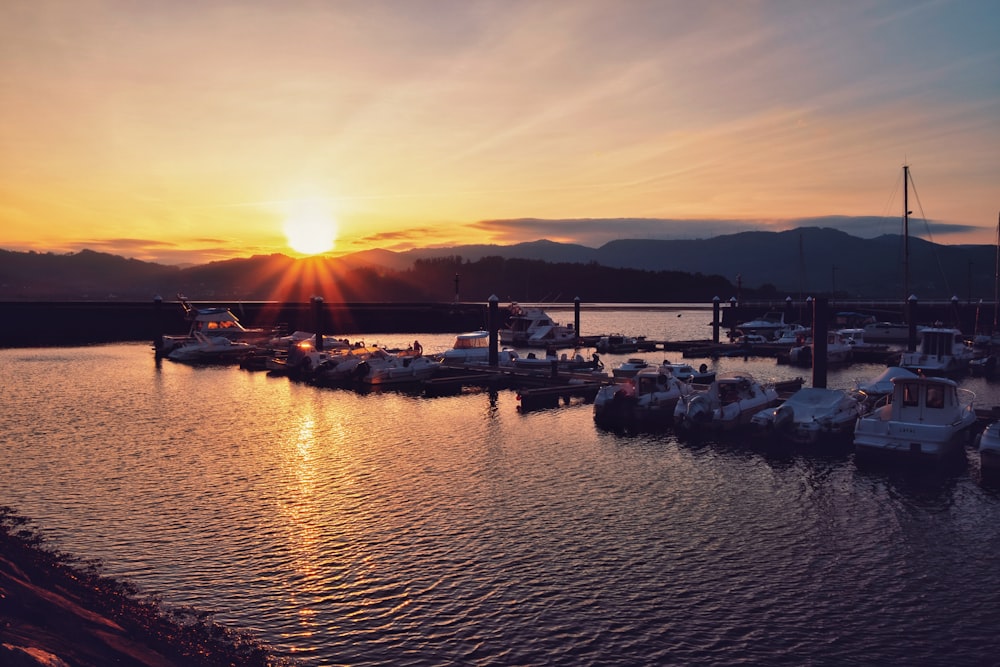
800 262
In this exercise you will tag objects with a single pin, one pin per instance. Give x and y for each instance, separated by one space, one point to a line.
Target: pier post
493 325
716 319
576 317
733 318
956 318
820 325
789 307
317 302
911 319
158 324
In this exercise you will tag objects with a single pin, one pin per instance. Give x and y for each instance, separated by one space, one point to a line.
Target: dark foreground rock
58 611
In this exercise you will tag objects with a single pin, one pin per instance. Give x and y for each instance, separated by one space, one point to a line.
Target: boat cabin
925 400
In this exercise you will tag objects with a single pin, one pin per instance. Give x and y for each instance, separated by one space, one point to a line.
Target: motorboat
621 344
562 363
214 322
879 388
382 368
770 325
630 367
648 398
473 348
942 351
795 334
811 415
688 373
988 446
338 369
985 367
731 401
532 327
838 351
927 417
887 332
204 349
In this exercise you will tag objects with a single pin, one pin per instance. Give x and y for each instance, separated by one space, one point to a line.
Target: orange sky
187 132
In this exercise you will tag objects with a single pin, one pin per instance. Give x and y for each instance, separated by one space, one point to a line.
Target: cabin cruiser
649 397
810 415
838 351
942 351
214 322
989 449
795 334
203 349
927 417
473 348
731 401
532 327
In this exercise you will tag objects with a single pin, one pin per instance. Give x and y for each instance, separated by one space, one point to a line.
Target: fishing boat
927 417
811 415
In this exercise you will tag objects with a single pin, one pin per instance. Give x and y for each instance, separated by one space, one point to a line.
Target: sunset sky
193 131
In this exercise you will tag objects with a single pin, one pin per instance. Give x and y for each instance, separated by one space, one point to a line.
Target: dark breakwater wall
29 324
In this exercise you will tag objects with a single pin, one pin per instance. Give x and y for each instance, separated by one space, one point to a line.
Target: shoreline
56 609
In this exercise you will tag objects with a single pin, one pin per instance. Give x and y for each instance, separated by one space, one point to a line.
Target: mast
906 233
996 279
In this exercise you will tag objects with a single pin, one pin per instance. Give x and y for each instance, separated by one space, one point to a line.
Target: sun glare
311 233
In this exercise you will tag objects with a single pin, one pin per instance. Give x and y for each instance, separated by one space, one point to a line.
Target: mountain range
800 262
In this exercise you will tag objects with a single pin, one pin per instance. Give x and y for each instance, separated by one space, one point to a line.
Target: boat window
935 397
910 395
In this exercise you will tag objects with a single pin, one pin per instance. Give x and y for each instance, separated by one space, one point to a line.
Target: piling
716 319
733 319
820 326
317 302
576 317
911 319
158 324
493 324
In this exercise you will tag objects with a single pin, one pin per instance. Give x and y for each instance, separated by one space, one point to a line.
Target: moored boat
532 327
989 449
942 351
648 398
213 322
729 402
927 417
811 415
203 349
473 348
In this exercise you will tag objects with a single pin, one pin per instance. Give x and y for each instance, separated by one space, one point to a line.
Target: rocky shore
58 611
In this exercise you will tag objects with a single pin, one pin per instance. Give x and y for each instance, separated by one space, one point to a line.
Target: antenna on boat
996 279
906 232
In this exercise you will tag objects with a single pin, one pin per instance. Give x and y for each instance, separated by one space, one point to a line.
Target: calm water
394 529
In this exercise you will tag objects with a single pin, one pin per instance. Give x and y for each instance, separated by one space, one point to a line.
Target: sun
311 233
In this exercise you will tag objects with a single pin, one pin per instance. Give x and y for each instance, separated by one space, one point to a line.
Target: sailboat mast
906 234
996 279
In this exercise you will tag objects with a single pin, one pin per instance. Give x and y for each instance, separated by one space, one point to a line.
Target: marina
361 526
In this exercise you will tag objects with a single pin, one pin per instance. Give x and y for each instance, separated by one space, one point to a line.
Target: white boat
838 351
688 373
340 368
473 348
810 415
630 367
532 327
214 322
887 332
942 351
382 368
795 334
729 402
879 388
927 417
770 325
989 449
649 397
203 349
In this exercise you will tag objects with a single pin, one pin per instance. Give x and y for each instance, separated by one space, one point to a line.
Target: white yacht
730 401
532 327
648 398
